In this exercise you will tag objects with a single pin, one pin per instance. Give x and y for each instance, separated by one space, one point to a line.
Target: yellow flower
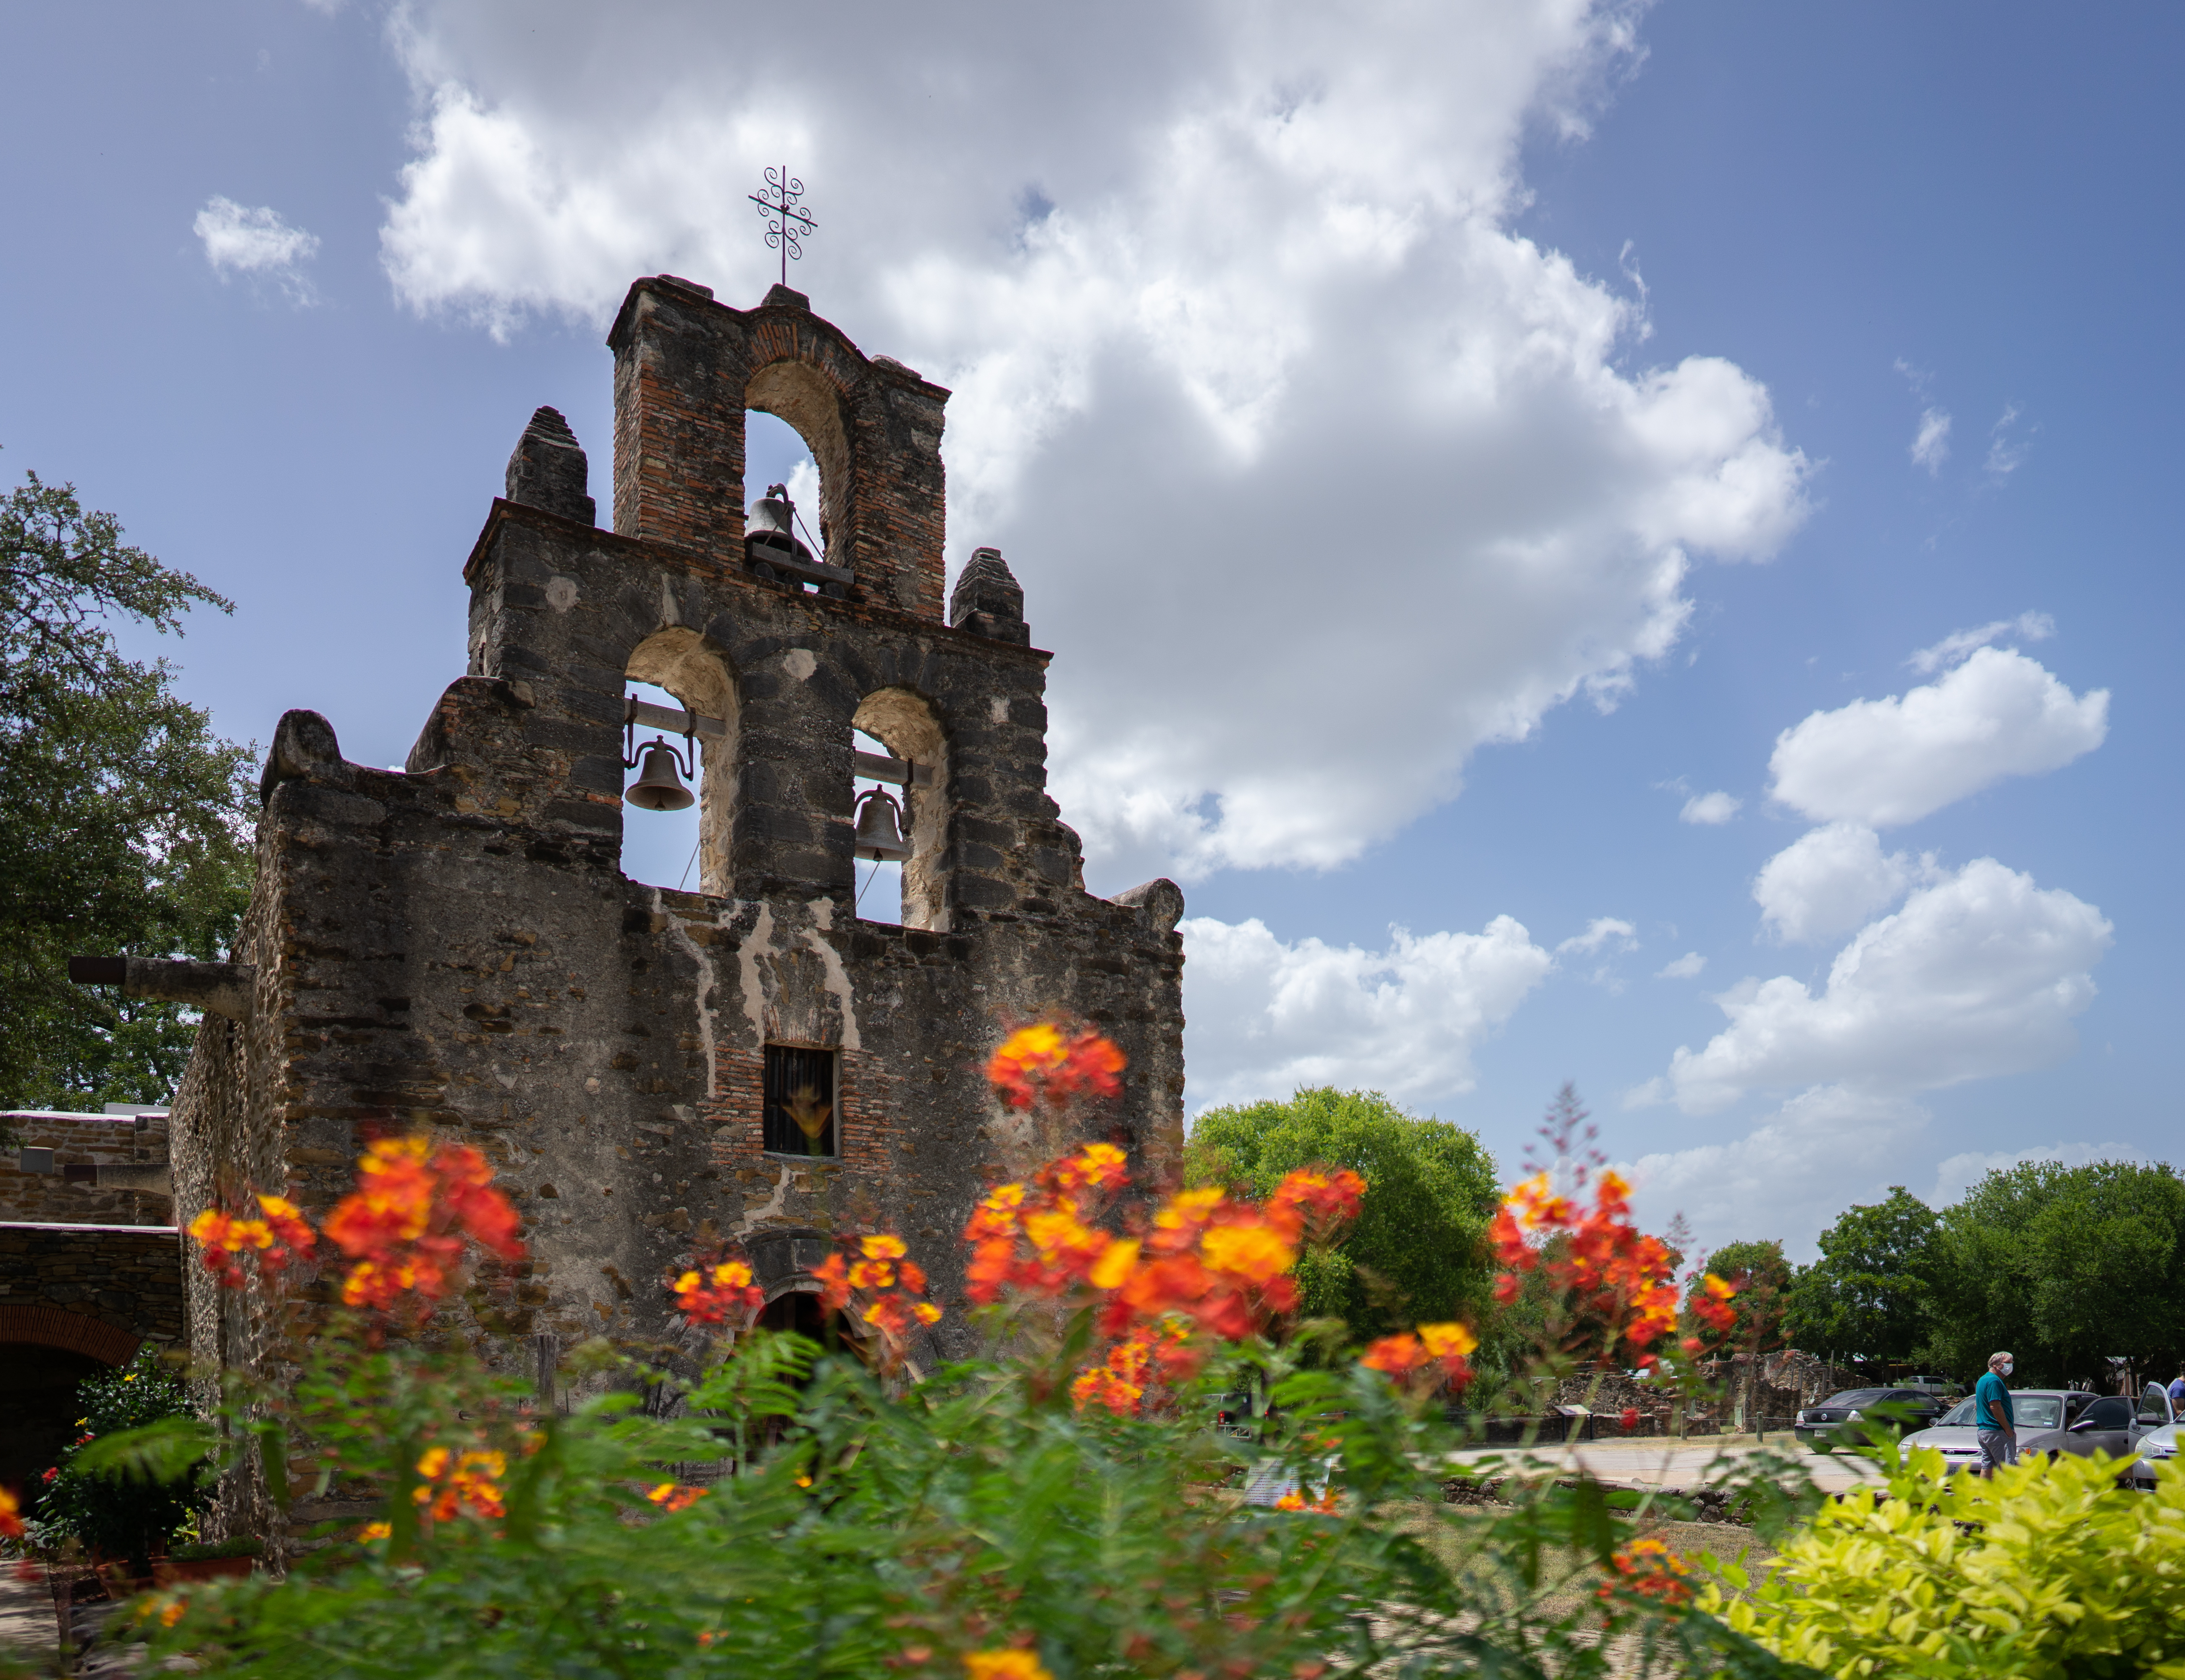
1007 1665
1032 1046
686 1283
377 1531
1443 1340
434 1464
172 1613
926 1313
731 1275
1251 1251
1114 1267
884 1247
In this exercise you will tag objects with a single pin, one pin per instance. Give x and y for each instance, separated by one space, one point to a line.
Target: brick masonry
454 948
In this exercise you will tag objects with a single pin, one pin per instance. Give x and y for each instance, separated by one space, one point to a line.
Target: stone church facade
453 948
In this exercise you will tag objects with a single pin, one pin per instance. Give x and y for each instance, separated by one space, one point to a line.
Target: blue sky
1440 450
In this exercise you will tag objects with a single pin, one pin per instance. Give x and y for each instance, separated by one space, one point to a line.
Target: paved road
1665 1462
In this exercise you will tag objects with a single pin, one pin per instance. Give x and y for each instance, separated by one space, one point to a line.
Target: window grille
800 1101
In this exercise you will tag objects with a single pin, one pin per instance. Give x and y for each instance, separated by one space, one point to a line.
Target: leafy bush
2048 1570
88 1498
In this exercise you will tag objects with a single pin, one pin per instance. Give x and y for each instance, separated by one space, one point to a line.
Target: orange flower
452 1484
708 1293
1012 1664
1648 1568
11 1516
404 1227
1443 1349
1616 1281
671 1495
886 1282
1041 1062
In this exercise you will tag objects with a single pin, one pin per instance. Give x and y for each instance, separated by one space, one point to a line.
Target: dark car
1858 1415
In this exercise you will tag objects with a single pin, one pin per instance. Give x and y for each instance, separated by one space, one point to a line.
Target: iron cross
786 225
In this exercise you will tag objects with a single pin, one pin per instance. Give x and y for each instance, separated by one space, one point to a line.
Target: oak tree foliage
124 820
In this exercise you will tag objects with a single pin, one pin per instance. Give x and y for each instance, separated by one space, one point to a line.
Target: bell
774 512
879 827
657 787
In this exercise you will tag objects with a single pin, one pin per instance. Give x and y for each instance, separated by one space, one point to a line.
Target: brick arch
699 672
77 1332
806 387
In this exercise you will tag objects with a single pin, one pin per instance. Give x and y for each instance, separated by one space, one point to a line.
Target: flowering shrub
120 1516
1062 1509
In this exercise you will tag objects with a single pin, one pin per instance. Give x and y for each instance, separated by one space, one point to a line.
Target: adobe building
454 948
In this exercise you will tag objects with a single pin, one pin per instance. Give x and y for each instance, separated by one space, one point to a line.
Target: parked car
1858 1414
2158 1452
2110 1423
2036 1411
1940 1386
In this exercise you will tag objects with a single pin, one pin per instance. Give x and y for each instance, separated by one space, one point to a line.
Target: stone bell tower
453 948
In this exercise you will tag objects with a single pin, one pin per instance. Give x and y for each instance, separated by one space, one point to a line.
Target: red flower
709 1295
1046 1061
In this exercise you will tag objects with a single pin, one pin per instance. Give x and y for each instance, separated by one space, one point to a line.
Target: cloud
1952 647
1827 882
1197 307
256 243
1711 809
1961 1172
1930 446
1979 974
1788 1178
1268 1016
1685 967
1603 930
1884 762
2006 450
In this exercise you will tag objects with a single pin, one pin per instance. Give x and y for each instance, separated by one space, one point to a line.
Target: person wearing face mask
1992 1413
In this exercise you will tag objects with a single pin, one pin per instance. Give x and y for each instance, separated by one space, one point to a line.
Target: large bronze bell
657 787
879 827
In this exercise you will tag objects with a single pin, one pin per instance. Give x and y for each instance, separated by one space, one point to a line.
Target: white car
2157 1451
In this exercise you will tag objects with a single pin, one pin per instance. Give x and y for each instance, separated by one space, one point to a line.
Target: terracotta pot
167 1571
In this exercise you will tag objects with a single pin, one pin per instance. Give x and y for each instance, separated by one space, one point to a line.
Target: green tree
1417 1252
122 817
2064 1266
1868 1295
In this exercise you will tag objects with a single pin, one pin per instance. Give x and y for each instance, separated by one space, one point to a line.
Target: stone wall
82 1139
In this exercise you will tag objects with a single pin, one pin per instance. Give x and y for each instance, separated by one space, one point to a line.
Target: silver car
2036 1411
2110 1423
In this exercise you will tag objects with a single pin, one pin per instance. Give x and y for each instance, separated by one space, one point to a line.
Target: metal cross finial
786 225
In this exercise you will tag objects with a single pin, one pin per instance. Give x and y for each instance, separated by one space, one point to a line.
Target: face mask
2008 1368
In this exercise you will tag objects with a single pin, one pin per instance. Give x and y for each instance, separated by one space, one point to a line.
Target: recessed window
800 1101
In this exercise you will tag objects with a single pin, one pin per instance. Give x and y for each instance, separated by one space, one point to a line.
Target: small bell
879 827
657 787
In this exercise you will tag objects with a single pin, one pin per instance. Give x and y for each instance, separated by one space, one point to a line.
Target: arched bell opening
797 481
679 797
917 782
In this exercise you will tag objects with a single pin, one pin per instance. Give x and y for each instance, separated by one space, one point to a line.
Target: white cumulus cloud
1685 967
1828 881
1930 446
256 242
1197 306
1980 974
1895 760
1789 1177
1268 1016
1711 809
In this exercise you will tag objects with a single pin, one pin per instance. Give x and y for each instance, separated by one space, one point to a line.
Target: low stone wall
100 1290
82 1139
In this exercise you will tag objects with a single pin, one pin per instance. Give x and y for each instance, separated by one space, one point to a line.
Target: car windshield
1856 1397
2028 1411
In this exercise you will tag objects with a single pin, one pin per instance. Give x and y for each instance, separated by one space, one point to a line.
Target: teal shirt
1992 1404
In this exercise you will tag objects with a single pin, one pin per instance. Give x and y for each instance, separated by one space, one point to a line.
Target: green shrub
2050 1570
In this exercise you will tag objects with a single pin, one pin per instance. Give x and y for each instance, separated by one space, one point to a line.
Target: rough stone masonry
454 948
